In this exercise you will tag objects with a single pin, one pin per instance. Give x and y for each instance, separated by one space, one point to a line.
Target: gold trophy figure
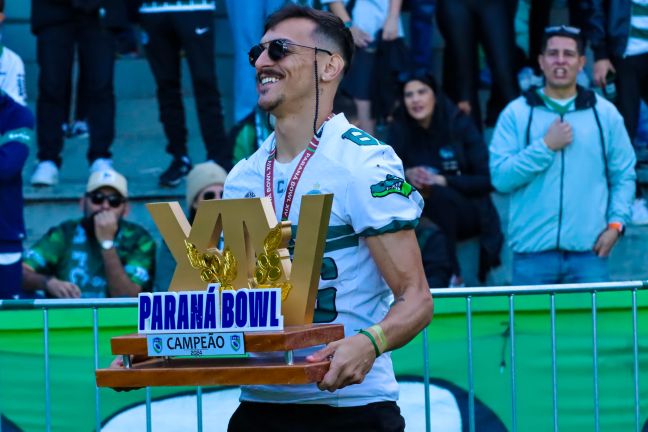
255 256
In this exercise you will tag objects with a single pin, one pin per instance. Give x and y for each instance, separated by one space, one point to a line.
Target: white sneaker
639 212
45 174
101 164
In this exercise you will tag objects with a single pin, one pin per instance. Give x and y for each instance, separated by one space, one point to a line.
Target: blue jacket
562 200
16 134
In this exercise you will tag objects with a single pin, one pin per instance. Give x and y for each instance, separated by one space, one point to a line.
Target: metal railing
466 293
551 290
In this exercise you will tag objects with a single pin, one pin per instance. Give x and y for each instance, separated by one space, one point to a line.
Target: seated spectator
12 70
16 134
204 182
99 255
445 157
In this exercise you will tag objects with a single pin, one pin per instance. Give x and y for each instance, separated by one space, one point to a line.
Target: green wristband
380 334
373 341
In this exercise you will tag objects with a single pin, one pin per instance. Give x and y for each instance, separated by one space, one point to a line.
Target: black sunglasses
562 29
277 49
97 198
210 195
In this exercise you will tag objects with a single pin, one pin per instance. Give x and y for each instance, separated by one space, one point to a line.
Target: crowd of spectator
565 152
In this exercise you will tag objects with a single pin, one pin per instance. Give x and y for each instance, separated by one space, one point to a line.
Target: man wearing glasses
99 255
563 154
371 252
204 182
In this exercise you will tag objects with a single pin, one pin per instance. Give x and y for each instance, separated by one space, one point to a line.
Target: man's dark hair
328 26
564 31
1 6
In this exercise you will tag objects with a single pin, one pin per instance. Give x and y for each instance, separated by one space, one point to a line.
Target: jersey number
325 311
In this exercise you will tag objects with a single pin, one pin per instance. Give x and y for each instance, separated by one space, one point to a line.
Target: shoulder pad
360 137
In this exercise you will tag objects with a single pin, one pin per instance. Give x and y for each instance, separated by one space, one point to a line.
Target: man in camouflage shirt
100 255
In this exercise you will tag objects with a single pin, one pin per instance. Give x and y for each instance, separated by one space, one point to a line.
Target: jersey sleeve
379 200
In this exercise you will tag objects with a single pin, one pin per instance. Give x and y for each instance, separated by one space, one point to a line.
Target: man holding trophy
372 279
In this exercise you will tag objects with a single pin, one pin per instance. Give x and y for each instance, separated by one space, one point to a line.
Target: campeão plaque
249 297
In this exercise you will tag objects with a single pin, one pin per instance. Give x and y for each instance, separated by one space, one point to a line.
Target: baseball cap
108 178
203 175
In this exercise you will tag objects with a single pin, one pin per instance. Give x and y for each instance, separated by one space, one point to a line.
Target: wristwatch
618 226
107 244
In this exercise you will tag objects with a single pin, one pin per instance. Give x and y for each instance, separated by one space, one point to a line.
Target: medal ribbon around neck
291 187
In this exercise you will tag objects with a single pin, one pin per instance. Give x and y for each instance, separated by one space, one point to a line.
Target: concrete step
138 152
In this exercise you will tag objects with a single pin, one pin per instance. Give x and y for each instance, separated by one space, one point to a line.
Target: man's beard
271 106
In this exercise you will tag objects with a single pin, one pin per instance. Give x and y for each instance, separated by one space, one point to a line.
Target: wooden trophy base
165 371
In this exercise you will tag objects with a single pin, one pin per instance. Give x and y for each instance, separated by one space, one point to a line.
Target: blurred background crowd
429 77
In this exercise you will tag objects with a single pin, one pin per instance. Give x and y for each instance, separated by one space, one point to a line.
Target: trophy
225 304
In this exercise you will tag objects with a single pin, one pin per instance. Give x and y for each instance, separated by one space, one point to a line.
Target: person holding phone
99 255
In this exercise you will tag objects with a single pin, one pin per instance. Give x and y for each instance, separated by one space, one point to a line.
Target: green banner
71 362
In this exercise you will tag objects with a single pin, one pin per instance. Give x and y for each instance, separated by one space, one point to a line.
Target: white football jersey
370 197
12 75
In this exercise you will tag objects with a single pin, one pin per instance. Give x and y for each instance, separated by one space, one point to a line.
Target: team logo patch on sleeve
390 185
360 137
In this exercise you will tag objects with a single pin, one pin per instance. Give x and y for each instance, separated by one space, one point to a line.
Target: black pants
632 86
465 24
456 215
539 16
56 46
169 34
269 417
